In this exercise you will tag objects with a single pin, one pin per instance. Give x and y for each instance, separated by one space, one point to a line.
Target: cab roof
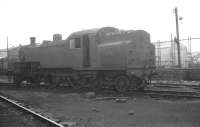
95 31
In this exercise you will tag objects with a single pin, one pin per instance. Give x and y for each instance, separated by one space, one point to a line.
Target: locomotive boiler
96 58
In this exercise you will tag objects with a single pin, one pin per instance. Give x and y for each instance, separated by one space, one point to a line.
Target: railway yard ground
11 117
85 108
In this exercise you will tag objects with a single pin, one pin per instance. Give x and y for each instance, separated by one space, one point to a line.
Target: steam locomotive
95 58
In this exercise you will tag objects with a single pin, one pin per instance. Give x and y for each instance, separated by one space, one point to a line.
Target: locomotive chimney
32 40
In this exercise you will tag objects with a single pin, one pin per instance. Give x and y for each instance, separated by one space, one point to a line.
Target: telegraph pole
177 38
7 53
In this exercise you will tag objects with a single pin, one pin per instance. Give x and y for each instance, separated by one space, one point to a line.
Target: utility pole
172 50
7 53
177 38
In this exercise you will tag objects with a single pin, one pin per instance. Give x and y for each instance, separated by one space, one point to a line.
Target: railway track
195 88
36 115
172 94
158 93
157 90
176 84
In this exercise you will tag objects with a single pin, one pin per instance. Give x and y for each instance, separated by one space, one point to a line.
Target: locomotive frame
101 58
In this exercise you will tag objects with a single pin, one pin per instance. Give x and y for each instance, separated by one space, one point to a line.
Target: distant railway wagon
96 58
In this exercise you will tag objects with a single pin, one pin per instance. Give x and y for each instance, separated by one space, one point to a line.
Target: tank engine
96 58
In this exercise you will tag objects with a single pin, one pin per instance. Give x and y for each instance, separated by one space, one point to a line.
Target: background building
167 56
195 60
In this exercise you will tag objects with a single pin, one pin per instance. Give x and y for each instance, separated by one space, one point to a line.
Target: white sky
21 19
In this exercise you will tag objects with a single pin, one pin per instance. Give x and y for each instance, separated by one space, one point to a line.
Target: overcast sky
21 19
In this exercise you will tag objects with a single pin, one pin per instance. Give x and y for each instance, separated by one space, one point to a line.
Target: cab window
75 43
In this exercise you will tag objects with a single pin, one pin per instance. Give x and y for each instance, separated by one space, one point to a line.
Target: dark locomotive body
94 58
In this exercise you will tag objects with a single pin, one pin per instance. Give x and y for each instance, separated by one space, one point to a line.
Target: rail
37 115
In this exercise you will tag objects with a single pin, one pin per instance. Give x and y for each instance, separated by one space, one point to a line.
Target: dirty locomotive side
96 58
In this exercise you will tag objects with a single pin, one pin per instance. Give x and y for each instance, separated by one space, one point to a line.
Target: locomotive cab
81 43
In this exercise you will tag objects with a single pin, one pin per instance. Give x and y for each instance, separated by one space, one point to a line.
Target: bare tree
196 59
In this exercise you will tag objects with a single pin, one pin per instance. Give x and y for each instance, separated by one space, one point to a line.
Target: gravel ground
10 117
135 112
